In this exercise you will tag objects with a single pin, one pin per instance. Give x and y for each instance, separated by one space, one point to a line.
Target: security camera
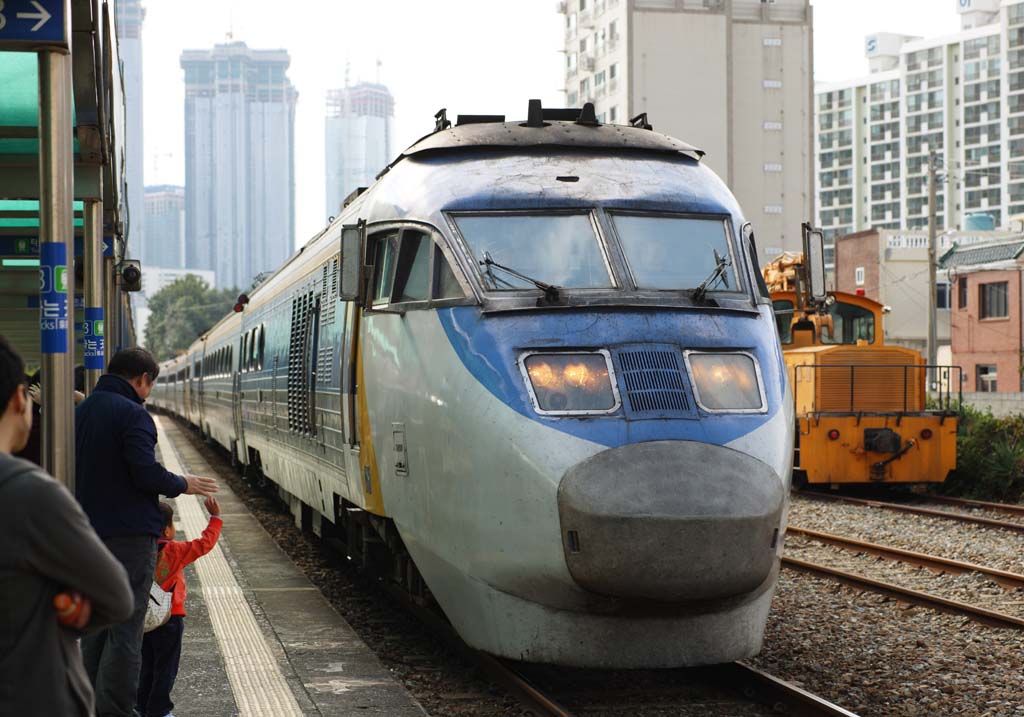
131 275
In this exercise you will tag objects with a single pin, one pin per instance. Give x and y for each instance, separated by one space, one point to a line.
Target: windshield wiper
551 292
718 273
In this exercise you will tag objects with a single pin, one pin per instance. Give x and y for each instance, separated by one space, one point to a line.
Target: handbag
158 607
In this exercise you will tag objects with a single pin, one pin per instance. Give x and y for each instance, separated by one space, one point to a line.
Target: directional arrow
42 16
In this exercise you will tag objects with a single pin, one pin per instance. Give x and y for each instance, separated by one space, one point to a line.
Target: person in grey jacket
46 547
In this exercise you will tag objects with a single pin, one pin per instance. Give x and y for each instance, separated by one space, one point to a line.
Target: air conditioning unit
587 63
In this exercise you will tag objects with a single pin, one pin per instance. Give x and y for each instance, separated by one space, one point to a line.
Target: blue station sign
33 24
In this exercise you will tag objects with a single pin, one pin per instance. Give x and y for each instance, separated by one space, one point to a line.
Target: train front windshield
661 252
562 250
669 253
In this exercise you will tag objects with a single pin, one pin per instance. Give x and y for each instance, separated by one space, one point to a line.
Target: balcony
587 63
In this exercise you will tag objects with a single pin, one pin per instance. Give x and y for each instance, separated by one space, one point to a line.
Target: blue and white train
534 368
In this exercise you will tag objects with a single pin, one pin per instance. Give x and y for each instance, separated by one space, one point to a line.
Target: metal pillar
92 252
56 259
932 292
111 294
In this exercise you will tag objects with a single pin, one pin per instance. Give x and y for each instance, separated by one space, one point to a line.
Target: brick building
986 313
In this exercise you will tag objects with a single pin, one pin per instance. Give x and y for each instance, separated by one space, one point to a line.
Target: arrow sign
33 24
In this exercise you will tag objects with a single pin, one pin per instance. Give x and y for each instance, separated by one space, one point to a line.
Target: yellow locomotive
860 405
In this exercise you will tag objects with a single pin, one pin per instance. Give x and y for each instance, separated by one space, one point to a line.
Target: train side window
263 344
383 268
412 273
446 286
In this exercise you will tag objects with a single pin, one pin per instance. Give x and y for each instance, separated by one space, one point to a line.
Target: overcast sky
471 56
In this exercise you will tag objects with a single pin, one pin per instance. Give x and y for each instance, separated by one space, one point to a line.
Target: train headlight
726 382
570 383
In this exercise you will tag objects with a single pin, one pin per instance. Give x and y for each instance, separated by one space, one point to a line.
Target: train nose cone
670 521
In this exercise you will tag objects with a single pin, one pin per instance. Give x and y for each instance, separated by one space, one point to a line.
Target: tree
181 312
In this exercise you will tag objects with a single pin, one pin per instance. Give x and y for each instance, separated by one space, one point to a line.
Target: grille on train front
653 381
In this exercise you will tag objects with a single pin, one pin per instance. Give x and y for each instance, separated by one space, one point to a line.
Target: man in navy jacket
118 482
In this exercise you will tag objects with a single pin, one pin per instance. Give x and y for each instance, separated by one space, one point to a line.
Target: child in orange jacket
161 647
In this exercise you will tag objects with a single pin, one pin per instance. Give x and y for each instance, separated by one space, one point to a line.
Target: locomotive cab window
446 286
383 268
412 273
410 270
851 324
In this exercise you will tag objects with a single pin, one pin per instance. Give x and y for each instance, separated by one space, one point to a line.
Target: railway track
837 566
731 690
1016 526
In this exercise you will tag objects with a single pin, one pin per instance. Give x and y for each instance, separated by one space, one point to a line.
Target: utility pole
932 229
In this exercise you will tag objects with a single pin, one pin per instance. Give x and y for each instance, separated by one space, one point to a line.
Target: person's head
136 366
15 406
167 513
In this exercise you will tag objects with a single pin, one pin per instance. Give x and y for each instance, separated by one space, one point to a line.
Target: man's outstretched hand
200 485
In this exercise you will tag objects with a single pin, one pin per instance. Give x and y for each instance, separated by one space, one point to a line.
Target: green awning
19 103
24 213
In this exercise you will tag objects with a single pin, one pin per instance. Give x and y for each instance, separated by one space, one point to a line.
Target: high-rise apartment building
239 161
165 227
733 77
960 96
359 128
128 23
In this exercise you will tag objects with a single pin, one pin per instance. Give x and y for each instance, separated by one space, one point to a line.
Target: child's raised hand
212 506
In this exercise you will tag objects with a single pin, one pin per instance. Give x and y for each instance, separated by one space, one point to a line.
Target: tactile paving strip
256 679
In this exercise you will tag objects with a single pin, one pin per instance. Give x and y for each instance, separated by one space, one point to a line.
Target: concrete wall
858 250
1000 404
716 82
678 75
988 341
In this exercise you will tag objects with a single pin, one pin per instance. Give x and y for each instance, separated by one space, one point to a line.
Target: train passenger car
533 370
861 405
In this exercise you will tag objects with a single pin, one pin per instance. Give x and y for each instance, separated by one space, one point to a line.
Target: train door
236 403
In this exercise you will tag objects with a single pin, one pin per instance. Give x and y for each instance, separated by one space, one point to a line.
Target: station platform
260 639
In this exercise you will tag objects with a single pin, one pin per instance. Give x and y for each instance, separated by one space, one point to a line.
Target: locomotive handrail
942 374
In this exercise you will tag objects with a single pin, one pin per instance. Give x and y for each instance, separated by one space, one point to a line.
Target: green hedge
990 457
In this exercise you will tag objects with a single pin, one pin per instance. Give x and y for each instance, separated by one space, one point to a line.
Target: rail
943 374
930 512
985 616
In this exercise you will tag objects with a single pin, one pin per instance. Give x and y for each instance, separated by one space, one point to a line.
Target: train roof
576 128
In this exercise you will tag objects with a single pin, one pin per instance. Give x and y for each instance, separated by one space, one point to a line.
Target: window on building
942 295
858 276
961 293
613 70
613 113
985 378
599 79
993 300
